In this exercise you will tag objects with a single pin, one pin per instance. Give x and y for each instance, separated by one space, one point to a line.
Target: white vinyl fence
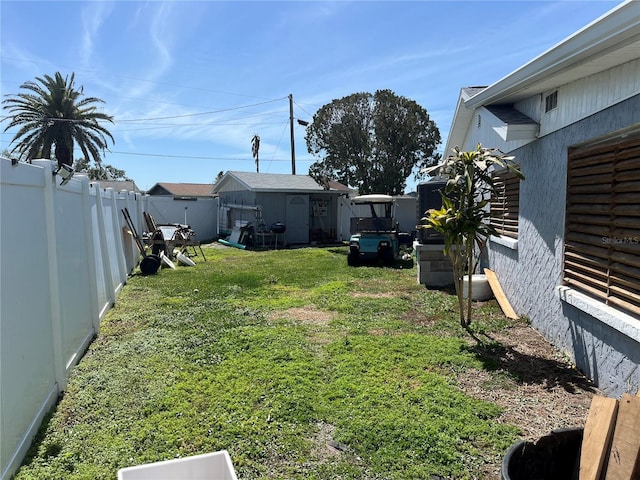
200 214
65 253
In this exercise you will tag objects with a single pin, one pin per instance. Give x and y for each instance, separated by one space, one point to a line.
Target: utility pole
293 148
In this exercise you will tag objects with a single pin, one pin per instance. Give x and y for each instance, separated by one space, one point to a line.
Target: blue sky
190 83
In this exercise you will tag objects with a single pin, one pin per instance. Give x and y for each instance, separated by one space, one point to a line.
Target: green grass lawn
298 365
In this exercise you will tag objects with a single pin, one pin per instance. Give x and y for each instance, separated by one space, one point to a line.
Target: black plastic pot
150 264
554 456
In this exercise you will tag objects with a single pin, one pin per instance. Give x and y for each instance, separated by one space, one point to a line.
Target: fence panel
27 358
65 253
63 261
104 295
200 214
75 268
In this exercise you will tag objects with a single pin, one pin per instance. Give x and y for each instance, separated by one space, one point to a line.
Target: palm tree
52 114
255 148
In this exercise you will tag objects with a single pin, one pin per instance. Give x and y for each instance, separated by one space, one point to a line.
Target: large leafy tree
53 114
372 142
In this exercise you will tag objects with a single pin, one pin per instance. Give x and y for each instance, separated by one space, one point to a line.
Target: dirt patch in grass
306 315
417 317
316 319
324 445
538 389
373 295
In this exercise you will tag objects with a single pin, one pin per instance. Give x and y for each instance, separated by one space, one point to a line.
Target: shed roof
275 182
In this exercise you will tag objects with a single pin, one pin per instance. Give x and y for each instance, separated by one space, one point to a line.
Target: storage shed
309 212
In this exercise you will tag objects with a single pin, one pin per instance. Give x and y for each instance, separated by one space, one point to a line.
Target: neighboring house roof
181 189
118 185
274 182
611 40
333 185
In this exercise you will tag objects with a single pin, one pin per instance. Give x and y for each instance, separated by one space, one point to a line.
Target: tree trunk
63 155
470 268
456 254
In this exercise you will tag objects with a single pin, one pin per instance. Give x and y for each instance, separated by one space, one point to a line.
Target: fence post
54 282
91 254
141 224
119 244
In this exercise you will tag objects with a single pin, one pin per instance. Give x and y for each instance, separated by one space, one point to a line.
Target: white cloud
92 17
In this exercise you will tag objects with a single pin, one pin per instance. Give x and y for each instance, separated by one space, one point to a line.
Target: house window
505 207
551 101
602 229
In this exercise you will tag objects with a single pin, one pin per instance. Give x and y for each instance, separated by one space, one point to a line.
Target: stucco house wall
582 91
531 274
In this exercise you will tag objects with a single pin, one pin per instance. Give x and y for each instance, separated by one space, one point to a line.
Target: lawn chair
155 237
173 235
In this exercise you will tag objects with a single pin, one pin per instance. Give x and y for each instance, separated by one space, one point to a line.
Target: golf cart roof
373 198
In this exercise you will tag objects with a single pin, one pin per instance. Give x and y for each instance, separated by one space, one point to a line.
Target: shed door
297 219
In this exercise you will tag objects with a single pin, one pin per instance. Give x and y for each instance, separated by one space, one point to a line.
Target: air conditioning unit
429 197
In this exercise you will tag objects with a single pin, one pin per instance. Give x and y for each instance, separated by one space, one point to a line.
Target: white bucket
182 258
480 288
216 465
167 261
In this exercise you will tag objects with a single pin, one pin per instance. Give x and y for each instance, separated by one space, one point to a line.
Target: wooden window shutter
602 237
505 207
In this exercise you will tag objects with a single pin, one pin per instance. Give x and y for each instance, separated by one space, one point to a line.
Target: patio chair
174 235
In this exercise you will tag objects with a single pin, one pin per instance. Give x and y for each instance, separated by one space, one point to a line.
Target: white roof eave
461 121
292 191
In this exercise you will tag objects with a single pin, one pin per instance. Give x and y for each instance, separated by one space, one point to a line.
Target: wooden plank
499 294
596 441
623 459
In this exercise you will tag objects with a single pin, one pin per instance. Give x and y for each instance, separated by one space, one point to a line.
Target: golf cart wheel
353 258
385 256
150 264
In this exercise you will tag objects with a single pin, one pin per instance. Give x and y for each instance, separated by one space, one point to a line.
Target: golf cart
377 237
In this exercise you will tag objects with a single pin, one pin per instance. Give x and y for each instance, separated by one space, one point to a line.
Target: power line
230 122
277 146
201 113
164 155
300 107
179 125
52 119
